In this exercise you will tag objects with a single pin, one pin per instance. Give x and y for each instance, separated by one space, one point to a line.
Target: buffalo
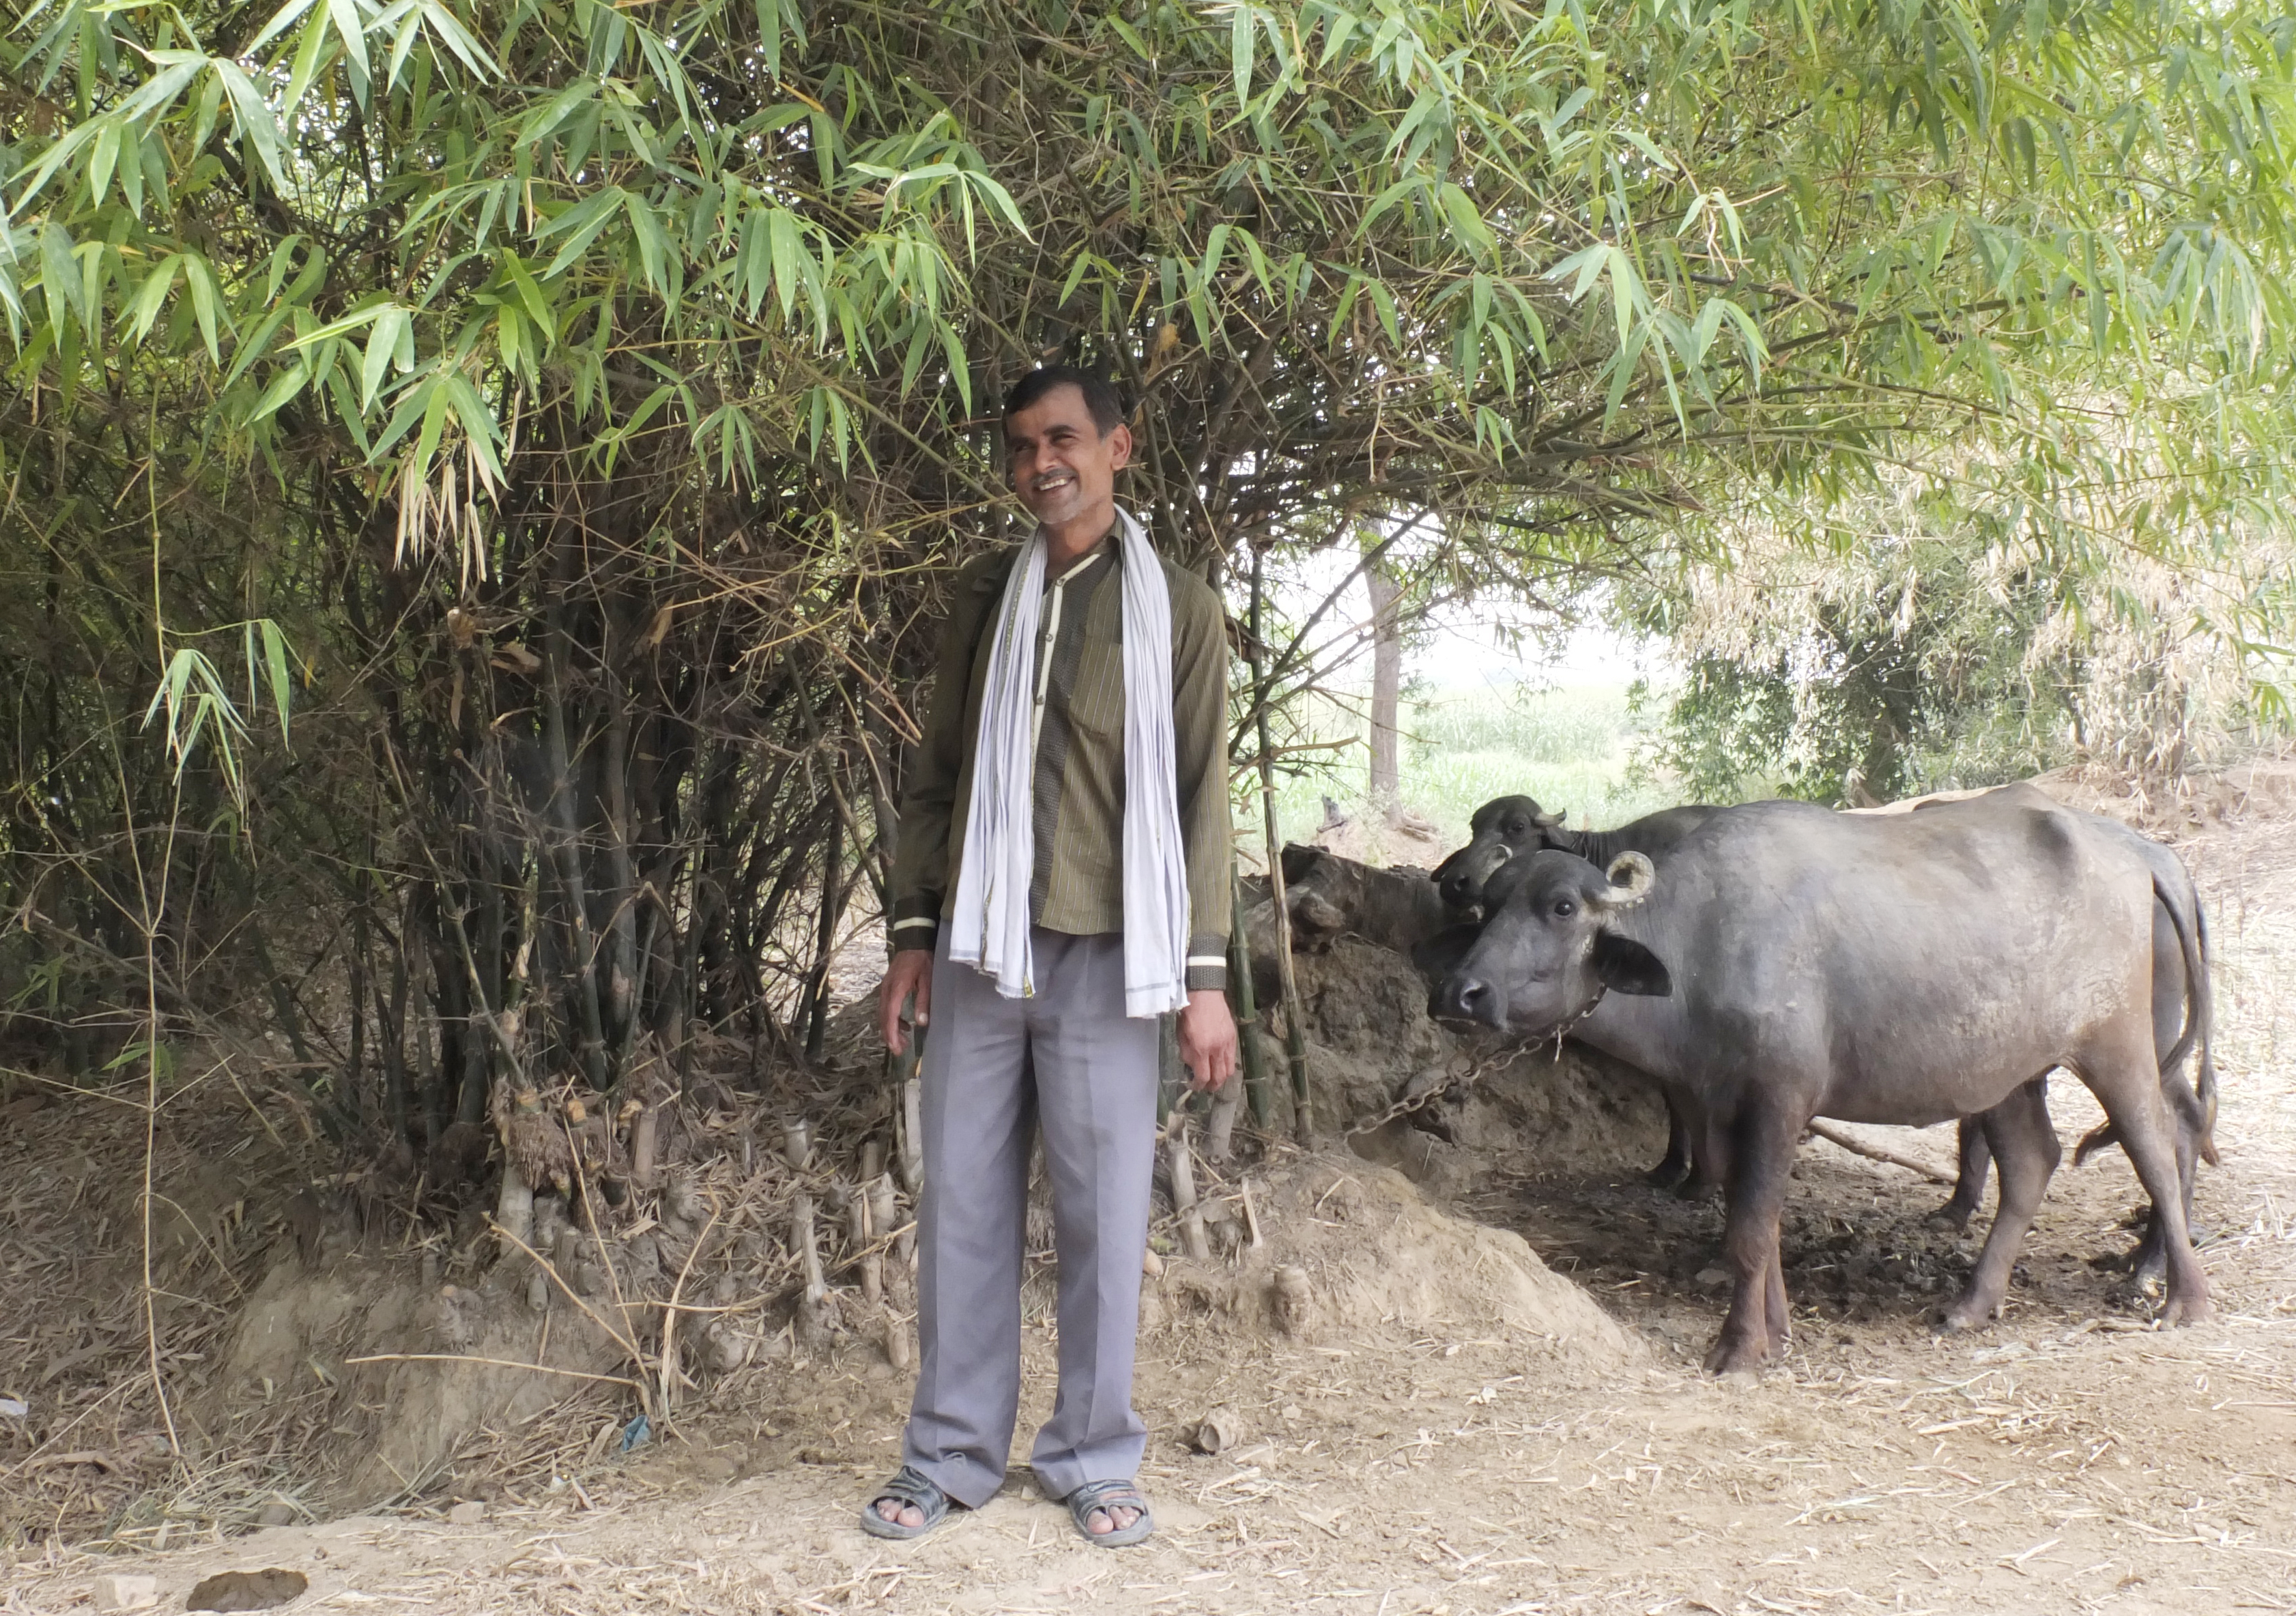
1507 825
1794 962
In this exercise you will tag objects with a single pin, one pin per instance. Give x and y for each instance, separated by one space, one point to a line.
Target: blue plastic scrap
635 1433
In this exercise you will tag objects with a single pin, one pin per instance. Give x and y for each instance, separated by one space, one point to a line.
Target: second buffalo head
1501 828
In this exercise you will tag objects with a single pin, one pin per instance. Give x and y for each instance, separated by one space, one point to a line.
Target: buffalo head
1501 828
1548 951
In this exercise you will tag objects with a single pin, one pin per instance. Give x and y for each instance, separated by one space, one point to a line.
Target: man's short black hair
1100 396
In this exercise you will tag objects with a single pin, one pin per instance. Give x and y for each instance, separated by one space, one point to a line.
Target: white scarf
989 929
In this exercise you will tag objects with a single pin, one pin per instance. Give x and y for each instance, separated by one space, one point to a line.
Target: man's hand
1207 1040
910 972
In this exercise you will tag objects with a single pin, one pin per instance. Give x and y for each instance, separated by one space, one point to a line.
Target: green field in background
1573 748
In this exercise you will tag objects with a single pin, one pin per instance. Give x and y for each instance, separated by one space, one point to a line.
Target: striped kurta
1079 886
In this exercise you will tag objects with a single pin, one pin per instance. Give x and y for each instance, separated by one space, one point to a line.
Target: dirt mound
2263 788
405 1370
1350 1252
1371 1044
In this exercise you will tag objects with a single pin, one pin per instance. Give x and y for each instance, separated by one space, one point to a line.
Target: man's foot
909 1505
1110 1514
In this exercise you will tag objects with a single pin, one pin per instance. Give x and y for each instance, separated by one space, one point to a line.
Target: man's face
1060 464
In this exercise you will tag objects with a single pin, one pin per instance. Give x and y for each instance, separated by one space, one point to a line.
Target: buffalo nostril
1468 994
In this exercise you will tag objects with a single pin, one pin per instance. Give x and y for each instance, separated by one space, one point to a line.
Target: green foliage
598 395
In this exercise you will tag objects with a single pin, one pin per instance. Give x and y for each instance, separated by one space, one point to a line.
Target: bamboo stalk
1169 1091
1245 999
1183 1194
809 1246
1295 1043
857 1230
912 1141
1219 1128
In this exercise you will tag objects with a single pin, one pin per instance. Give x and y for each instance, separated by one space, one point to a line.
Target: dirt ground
1512 1457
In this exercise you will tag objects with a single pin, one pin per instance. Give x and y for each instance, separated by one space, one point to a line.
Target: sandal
1103 1496
914 1489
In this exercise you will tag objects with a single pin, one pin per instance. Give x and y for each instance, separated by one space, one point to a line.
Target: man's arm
928 804
929 794
1199 758
1207 1031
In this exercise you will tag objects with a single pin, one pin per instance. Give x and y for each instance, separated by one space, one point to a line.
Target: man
1062 881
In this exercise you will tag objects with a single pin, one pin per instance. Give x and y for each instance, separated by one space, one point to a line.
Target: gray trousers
995 1068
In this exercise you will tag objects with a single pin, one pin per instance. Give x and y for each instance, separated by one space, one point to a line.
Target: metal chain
1457 1080
1454 1080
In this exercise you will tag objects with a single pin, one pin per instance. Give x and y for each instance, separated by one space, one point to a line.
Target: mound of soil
1353 1252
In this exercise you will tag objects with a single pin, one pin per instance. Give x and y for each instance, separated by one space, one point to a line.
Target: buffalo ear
1436 957
1626 967
1300 860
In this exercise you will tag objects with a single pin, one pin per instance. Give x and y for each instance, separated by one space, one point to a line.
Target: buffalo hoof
2140 1290
1966 1314
2191 1310
1953 1215
1736 1354
1668 1174
1697 1186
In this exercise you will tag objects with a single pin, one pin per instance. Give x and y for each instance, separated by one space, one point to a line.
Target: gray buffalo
2182 1022
1505 826
1795 962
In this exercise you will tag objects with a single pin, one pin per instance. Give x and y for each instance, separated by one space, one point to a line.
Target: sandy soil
2069 1459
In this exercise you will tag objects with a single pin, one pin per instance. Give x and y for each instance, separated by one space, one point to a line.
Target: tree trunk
1386 691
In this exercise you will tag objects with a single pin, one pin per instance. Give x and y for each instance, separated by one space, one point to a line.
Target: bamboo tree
1295 1039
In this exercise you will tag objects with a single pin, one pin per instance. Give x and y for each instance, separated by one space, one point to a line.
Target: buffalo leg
1674 1167
1969 1188
2025 1145
2152 1260
1761 1161
2172 986
2126 1083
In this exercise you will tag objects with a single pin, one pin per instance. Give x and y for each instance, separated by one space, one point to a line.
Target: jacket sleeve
920 852
1201 759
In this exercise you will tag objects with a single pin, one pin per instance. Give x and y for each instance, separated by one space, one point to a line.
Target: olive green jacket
1080 775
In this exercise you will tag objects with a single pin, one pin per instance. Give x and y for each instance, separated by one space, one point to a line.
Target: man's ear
1626 967
1119 447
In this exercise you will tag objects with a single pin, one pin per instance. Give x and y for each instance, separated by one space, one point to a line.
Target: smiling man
1062 882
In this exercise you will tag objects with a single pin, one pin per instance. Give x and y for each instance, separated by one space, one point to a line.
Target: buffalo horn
1631 877
1546 821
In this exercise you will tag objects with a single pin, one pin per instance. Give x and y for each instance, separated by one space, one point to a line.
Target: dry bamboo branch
670 1372
1858 1147
493 1362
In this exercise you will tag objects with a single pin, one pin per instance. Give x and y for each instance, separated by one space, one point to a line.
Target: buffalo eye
1564 908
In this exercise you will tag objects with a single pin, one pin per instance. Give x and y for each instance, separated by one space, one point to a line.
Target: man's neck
1072 541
